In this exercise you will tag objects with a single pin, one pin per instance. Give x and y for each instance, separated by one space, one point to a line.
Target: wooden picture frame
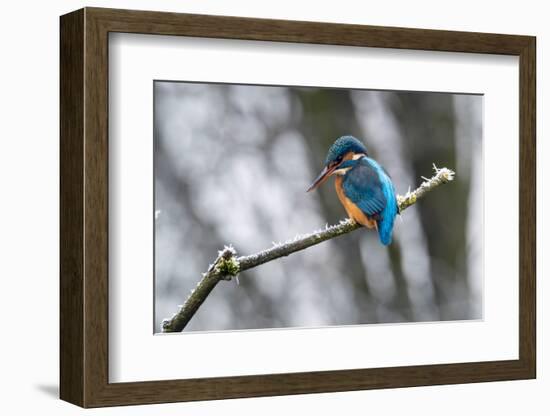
84 207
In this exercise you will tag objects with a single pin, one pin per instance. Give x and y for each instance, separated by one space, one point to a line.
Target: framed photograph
255 207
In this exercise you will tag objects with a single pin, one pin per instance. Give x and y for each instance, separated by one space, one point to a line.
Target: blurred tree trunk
426 142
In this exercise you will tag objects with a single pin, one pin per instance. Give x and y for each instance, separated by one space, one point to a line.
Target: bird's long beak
323 176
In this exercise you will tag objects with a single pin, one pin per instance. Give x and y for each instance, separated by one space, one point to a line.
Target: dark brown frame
84 210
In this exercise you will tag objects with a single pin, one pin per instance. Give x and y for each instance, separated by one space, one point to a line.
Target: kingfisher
363 186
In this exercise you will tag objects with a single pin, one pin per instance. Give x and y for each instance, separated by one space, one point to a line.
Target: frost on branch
227 265
441 176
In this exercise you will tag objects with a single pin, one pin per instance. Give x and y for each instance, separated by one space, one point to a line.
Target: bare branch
227 265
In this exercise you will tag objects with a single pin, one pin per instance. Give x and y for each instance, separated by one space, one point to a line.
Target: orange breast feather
352 210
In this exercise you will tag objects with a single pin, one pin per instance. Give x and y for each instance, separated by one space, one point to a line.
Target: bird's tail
385 226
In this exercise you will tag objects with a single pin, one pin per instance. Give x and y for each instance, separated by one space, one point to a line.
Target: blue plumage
363 186
369 187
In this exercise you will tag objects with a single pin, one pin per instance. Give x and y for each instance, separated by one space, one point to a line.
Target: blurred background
232 163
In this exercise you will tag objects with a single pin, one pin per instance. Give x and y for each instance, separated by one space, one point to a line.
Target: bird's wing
363 187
